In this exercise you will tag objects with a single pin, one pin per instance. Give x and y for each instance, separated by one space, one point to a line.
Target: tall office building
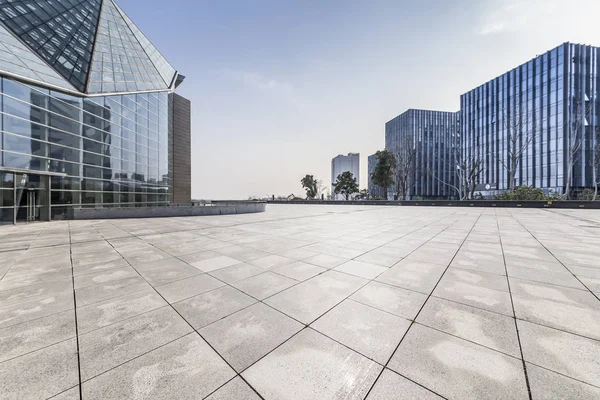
89 114
551 106
429 136
341 164
374 190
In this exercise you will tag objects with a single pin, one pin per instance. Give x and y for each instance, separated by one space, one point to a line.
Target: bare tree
520 133
464 167
596 162
405 168
574 135
321 188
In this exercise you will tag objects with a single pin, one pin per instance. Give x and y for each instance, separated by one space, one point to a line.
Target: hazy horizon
280 88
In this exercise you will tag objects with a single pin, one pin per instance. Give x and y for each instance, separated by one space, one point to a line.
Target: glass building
428 135
551 107
88 112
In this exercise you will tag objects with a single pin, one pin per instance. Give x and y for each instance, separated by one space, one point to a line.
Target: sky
279 88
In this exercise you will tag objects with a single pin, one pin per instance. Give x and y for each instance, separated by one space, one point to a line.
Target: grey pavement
304 302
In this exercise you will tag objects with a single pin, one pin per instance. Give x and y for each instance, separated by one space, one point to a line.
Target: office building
551 107
374 190
341 164
89 114
422 140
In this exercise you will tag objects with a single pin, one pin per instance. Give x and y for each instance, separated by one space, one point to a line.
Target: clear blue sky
281 87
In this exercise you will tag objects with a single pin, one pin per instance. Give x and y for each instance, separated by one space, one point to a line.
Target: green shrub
524 193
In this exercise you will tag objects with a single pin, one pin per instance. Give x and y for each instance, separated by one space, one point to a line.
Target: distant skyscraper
552 103
428 135
341 164
374 190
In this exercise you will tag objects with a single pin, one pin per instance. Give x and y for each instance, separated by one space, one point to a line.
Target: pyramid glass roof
89 46
17 59
61 32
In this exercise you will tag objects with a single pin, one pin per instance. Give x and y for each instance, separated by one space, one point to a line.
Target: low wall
215 208
450 203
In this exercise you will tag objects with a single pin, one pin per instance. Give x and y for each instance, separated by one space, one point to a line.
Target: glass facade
550 106
115 150
61 32
429 134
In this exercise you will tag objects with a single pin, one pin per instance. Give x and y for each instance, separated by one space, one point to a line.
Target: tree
321 188
364 194
383 175
345 185
309 183
405 168
464 168
575 134
520 133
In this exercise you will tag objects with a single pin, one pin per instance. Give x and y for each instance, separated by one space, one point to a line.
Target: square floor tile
246 336
209 307
236 273
213 264
478 278
312 366
546 384
166 271
361 269
264 285
383 257
325 260
457 369
235 389
41 374
37 308
183 369
29 336
559 307
571 355
96 293
474 295
189 287
314 297
299 270
486 328
401 302
108 347
117 309
109 276
390 385
419 276
271 261
367 330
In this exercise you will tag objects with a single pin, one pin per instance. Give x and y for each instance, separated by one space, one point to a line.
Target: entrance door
31 209
31 198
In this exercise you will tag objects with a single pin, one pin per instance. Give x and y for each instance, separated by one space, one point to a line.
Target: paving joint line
75 313
556 258
467 214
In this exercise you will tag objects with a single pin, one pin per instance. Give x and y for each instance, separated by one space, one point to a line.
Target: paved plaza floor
304 302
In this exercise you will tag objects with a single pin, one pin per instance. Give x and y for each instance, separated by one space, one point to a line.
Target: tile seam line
188 323
305 325
75 314
425 302
24 251
512 304
556 258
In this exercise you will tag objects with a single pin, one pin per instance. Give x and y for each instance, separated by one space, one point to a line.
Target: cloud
502 16
261 83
